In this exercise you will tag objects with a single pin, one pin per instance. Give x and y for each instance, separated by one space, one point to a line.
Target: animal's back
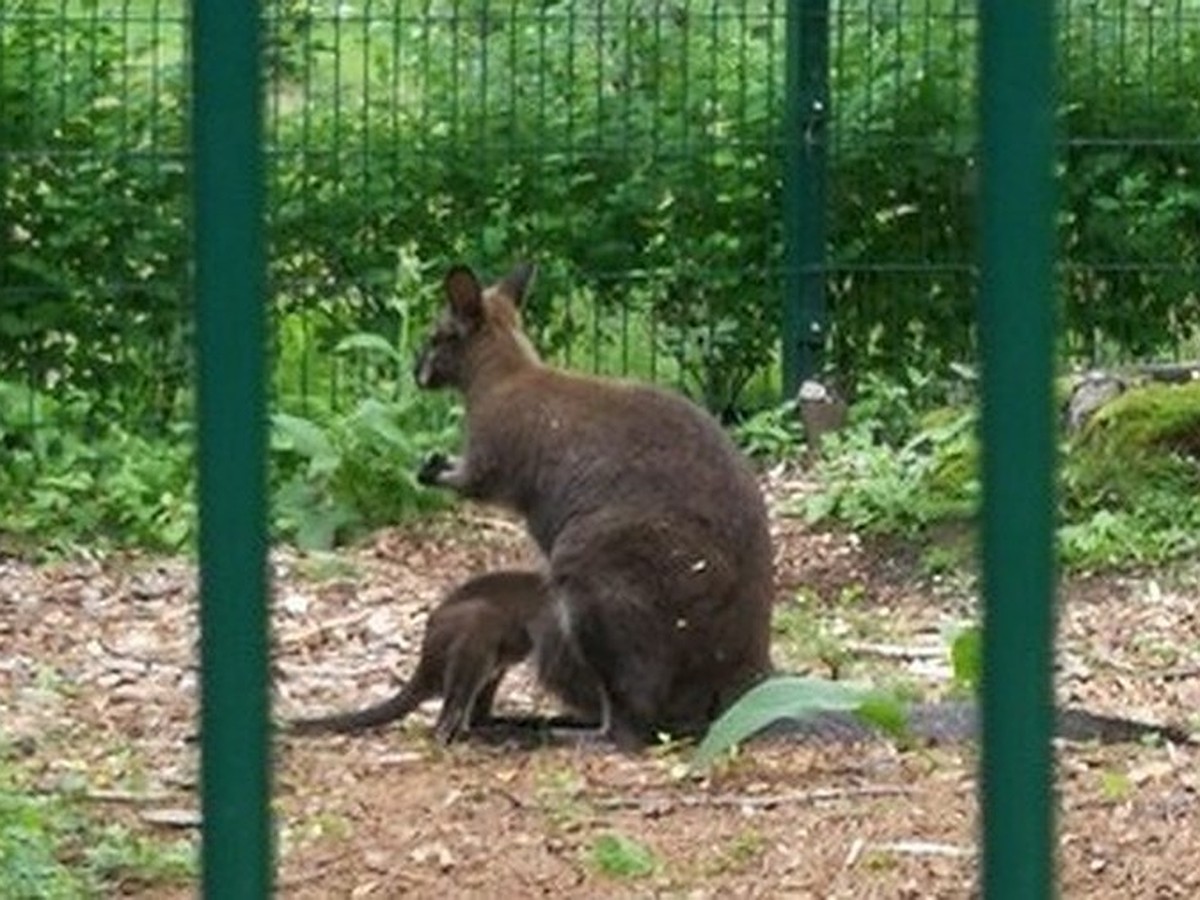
496 607
585 446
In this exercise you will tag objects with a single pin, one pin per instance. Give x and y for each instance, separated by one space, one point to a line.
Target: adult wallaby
651 521
480 629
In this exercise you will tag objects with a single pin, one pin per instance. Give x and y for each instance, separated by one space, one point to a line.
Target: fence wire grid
636 150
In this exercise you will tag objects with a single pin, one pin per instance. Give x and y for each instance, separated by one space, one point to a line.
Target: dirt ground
98 683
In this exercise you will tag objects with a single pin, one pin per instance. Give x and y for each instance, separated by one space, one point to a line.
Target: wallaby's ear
516 284
464 294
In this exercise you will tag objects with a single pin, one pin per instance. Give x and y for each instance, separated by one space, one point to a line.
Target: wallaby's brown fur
479 630
650 519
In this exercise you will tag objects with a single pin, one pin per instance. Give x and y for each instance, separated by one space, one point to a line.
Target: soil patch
98 679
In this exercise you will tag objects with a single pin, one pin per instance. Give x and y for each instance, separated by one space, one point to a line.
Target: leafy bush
69 480
92 188
872 484
773 433
1130 480
1128 484
632 150
346 472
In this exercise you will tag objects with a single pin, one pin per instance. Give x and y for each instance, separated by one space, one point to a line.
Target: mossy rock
1147 438
1156 417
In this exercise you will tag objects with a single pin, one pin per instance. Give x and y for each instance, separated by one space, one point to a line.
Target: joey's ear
464 294
517 283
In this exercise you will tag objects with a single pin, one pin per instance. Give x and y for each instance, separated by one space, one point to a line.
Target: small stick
896 651
755 801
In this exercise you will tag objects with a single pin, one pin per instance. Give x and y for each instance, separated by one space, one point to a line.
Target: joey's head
478 333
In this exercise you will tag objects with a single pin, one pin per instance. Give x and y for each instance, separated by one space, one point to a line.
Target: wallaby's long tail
1081 725
954 721
381 713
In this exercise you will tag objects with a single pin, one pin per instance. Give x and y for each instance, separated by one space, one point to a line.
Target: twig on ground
104 795
752 801
173 818
896 651
924 848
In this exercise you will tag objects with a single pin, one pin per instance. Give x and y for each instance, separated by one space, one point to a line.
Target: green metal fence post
228 185
804 179
1016 336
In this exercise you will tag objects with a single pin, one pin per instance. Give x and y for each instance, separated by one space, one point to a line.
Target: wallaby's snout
441 359
423 369
435 368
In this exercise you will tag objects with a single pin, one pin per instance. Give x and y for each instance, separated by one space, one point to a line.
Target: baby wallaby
479 630
650 519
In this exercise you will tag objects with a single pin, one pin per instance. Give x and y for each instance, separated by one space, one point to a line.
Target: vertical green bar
1016 335
804 188
228 182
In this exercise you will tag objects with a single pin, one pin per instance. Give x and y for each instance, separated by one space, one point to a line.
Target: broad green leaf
381 420
310 440
781 697
318 526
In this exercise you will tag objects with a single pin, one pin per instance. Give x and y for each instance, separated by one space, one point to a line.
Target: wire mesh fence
637 149
631 149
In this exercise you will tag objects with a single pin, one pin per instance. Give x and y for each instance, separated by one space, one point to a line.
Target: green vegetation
339 474
631 149
792 697
966 658
72 475
1129 482
743 851
620 856
71 479
773 433
51 847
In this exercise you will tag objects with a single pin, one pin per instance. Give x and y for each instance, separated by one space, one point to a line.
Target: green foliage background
632 147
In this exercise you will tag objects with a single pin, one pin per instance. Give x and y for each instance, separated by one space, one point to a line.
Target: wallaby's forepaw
434 467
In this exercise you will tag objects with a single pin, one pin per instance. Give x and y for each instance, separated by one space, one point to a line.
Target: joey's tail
954 721
390 710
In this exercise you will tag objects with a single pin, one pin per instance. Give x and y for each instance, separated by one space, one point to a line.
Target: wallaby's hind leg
563 672
581 660
469 669
481 709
